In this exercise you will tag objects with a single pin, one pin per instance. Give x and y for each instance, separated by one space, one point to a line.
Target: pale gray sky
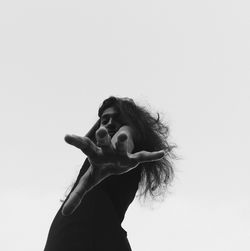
190 60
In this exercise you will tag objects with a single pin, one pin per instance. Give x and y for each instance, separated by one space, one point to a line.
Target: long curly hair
152 135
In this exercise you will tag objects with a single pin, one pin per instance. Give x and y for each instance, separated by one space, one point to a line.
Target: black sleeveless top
96 224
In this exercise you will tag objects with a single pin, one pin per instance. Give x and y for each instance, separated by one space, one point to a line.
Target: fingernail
101 133
122 137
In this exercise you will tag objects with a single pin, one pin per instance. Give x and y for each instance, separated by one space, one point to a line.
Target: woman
127 149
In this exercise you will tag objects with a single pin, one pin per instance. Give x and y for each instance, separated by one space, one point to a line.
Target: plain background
189 60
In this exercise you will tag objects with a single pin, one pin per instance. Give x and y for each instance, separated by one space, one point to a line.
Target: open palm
107 157
112 156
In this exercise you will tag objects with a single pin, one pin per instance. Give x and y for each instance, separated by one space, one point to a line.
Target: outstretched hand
112 156
108 156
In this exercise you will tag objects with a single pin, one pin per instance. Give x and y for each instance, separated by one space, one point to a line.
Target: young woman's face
112 120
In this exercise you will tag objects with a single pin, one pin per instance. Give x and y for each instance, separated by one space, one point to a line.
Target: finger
83 143
103 140
122 144
145 156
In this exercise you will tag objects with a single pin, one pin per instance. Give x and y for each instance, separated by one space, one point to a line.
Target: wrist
96 174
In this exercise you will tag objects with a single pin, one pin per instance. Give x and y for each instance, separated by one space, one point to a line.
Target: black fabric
96 223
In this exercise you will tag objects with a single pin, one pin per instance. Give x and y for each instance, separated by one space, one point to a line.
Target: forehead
110 111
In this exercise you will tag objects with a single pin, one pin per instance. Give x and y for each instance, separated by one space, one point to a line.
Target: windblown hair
152 134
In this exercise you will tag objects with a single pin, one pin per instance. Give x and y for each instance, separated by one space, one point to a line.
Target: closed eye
104 121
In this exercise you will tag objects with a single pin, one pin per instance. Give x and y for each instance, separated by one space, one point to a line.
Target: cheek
119 125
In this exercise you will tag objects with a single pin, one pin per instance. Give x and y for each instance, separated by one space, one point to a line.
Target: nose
111 125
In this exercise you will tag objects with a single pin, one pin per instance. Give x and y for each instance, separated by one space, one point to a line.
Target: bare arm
108 157
91 178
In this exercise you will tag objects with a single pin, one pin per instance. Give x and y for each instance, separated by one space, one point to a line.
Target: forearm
85 184
97 172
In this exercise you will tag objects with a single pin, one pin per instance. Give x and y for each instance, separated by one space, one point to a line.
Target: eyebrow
113 115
